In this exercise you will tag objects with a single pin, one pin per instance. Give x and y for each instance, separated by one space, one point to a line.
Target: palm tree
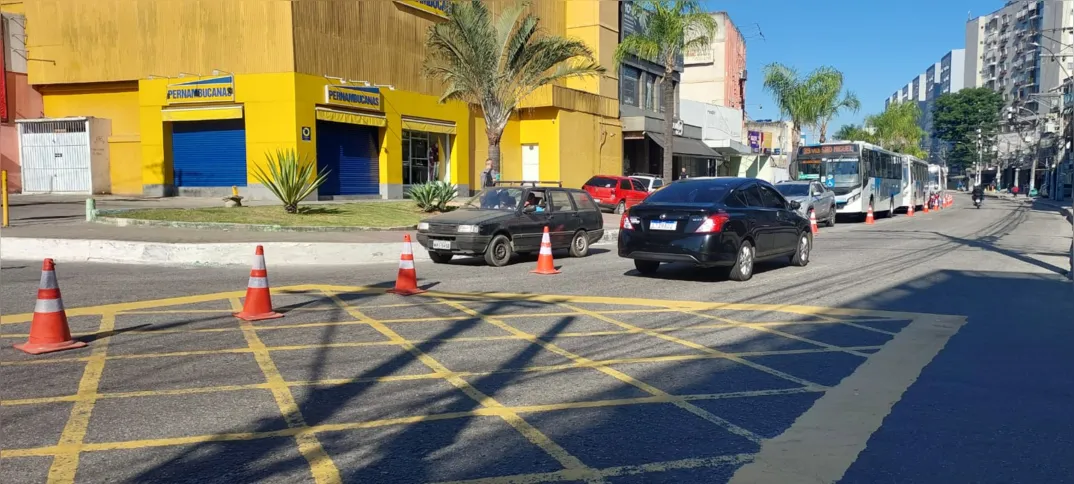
850 132
669 28
494 63
897 128
810 101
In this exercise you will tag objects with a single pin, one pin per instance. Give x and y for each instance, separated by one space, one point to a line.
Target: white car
651 182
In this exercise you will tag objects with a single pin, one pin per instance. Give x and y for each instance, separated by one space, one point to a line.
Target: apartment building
942 77
716 73
1021 50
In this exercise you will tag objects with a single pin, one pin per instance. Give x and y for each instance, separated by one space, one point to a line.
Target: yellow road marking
528 431
316 429
705 349
567 475
777 332
623 377
324 470
65 463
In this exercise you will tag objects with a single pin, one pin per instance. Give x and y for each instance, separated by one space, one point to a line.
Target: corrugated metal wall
109 40
379 41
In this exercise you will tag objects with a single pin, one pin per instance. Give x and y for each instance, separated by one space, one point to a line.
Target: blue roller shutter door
209 153
352 154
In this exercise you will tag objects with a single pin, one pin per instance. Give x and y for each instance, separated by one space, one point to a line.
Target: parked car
651 183
503 221
615 193
715 222
812 195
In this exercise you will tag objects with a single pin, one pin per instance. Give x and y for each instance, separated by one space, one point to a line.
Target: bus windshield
844 172
809 169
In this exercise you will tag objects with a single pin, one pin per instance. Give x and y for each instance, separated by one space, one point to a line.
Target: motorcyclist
978 193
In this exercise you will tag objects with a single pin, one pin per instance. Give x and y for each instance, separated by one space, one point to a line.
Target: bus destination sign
827 149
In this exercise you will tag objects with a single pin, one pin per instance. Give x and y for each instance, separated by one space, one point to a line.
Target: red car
616 193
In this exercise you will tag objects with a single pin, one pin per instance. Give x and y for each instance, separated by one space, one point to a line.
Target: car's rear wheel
801 253
580 244
619 209
831 218
440 257
646 267
743 268
499 251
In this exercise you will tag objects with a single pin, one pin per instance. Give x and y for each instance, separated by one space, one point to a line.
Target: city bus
937 180
862 175
915 178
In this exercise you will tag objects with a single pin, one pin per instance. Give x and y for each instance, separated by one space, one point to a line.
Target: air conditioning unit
742 74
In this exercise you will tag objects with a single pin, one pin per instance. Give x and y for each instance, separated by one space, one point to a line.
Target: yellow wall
541 127
117 102
268 103
111 40
12 6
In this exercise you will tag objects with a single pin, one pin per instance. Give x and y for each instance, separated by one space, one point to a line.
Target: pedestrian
488 176
1014 190
683 175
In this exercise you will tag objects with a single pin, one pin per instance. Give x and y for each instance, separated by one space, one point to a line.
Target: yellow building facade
199 92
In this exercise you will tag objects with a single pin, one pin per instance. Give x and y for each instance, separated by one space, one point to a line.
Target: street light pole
980 146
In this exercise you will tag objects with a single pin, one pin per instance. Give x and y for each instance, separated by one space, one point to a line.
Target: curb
162 253
134 222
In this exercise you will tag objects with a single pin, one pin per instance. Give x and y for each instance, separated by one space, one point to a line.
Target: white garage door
55 157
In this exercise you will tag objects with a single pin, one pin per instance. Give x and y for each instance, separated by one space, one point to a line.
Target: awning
685 146
350 117
428 125
202 113
728 147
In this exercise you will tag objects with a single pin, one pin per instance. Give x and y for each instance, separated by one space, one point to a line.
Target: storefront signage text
212 89
354 97
434 7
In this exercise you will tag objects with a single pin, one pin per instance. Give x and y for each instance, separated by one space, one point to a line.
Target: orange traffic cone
910 211
545 263
258 304
406 283
49 330
925 206
869 216
813 222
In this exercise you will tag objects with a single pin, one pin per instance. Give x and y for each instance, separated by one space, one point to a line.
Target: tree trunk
494 151
669 124
823 132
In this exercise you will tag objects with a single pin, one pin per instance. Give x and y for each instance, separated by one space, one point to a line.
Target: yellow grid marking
528 431
704 349
779 333
311 430
65 463
323 469
561 476
424 376
623 377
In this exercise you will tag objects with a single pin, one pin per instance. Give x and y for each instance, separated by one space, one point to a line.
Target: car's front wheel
580 244
801 253
646 267
499 251
743 268
440 257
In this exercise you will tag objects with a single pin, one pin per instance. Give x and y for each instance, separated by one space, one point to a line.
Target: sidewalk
55 226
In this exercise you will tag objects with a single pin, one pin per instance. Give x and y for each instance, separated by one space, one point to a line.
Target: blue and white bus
915 174
860 174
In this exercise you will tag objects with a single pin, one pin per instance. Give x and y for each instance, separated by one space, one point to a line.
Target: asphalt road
840 371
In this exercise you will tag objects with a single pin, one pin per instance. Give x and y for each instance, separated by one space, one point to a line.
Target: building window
629 96
647 93
415 157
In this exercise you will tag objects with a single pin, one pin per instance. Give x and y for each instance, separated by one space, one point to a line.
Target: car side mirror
795 204
529 209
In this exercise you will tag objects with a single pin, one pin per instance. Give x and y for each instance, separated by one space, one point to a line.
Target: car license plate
662 225
441 244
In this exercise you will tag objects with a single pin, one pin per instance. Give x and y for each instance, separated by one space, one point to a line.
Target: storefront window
647 92
423 156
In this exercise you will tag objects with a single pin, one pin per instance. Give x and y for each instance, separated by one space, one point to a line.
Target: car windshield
495 199
690 192
793 189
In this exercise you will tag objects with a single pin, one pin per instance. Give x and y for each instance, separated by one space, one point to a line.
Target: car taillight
713 223
624 223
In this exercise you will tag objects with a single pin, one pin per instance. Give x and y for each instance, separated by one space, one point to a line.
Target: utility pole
980 146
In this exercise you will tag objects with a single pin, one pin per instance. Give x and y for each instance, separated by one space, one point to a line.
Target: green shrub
433 196
291 177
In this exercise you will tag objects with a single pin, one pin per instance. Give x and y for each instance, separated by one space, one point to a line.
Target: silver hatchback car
812 195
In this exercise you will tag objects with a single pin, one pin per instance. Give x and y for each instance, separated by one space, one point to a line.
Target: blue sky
879 46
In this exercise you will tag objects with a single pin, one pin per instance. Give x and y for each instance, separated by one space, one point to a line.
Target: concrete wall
22 100
713 75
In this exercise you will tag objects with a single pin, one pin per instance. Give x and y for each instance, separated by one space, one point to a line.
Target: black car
502 221
715 222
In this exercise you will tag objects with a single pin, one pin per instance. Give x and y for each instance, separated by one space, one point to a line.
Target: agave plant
291 177
433 196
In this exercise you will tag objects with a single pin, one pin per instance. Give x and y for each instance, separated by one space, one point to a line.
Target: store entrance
425 157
